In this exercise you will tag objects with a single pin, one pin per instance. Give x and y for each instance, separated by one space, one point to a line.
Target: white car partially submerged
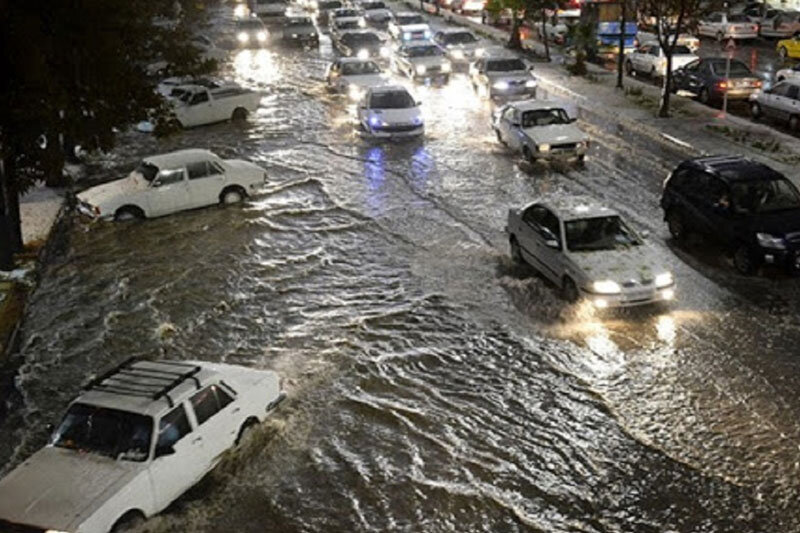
168 183
352 76
197 105
390 111
589 252
136 439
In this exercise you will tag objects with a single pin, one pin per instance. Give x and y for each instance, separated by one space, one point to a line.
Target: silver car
781 102
503 77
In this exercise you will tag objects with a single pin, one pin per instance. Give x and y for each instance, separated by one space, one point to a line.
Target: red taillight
757 83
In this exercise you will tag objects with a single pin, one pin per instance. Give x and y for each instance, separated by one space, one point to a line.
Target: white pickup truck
200 105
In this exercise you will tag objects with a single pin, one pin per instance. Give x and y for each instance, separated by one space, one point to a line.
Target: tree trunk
10 208
621 54
515 42
663 108
6 251
544 36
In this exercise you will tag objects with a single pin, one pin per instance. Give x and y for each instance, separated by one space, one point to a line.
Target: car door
533 239
687 77
701 201
200 109
793 101
775 101
206 181
168 192
178 457
218 419
510 124
639 58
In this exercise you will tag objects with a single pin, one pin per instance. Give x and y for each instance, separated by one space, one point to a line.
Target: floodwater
433 385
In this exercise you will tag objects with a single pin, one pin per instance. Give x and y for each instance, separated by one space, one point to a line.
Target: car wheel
232 195
783 52
500 137
582 160
794 123
528 155
743 261
628 68
516 251
239 114
705 96
755 110
569 291
246 428
677 226
128 213
129 521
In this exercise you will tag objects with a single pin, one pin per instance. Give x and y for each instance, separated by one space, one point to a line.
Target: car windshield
462 37
392 100
599 233
681 50
373 5
360 68
505 65
764 196
250 24
410 19
423 51
544 117
737 68
298 22
347 13
738 18
347 25
361 38
147 170
329 5
110 432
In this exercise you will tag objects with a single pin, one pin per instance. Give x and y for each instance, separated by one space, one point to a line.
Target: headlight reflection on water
257 66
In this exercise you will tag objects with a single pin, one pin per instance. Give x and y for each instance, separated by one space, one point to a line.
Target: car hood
366 80
428 61
779 223
301 30
511 75
414 27
379 14
635 263
397 116
555 134
106 192
56 488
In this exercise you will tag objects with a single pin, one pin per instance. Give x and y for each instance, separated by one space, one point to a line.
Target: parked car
251 32
461 46
339 26
323 10
589 252
376 12
421 60
346 16
788 73
198 105
650 59
759 13
783 24
168 183
749 208
780 102
409 26
300 30
705 78
175 87
467 7
502 76
390 111
789 48
724 26
540 130
554 30
132 442
363 44
270 11
353 76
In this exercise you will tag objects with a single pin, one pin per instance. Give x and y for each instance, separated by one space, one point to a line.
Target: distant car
788 73
251 32
300 30
175 87
339 26
199 106
348 15
759 13
363 44
540 130
353 76
789 48
421 60
409 26
724 26
554 30
168 183
461 46
323 10
270 11
376 12
650 59
390 111
705 78
780 102
132 442
783 24
589 252
749 208
467 6
208 49
502 76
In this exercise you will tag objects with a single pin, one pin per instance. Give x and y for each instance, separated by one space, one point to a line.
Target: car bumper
88 211
396 132
633 298
736 94
788 260
556 153
512 93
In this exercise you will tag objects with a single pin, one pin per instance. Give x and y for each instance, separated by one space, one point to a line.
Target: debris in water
166 330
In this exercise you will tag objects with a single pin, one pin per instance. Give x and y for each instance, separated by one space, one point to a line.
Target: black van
753 210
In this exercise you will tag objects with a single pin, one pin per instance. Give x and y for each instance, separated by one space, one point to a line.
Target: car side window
197 169
692 67
508 115
780 89
214 168
199 98
168 177
550 223
698 188
678 180
793 92
535 215
655 50
717 192
172 428
209 402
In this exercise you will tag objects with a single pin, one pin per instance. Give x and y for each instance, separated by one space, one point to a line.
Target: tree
73 72
544 10
671 17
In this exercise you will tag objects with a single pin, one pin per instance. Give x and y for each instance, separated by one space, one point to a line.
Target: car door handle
237 409
196 440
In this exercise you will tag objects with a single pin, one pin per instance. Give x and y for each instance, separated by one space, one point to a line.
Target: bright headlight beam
606 287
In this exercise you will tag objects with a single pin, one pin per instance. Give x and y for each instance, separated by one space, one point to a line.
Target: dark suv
752 209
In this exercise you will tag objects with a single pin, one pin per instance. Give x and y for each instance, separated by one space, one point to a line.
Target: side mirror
164 450
552 243
572 120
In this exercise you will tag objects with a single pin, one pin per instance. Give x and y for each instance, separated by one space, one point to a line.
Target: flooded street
433 384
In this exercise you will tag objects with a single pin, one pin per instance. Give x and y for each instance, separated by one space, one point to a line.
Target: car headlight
765 240
384 51
355 92
544 147
363 54
418 121
457 54
406 36
606 287
427 34
446 67
421 69
530 84
500 85
243 37
261 36
295 36
362 23
479 52
664 280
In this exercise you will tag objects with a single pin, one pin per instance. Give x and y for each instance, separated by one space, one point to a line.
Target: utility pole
621 54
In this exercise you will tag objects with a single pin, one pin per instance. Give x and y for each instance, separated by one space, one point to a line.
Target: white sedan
650 59
353 76
168 183
390 111
421 60
788 73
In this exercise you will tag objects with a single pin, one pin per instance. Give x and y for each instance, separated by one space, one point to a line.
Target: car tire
794 123
528 155
743 261
128 213
704 96
629 68
569 291
582 160
232 195
128 522
500 137
515 250
677 226
247 426
239 114
755 111
783 52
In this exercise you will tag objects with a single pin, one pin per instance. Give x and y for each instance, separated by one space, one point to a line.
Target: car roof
148 387
406 14
733 168
180 157
388 89
532 105
497 55
574 207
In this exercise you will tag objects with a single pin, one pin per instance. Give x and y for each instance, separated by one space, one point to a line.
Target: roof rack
122 379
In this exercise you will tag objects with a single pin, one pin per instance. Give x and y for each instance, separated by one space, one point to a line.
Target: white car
461 46
270 11
724 26
251 32
409 26
198 105
650 59
168 183
540 130
684 39
502 76
345 17
173 87
353 76
134 441
780 102
782 25
421 60
390 111
788 73
376 12
363 44
588 251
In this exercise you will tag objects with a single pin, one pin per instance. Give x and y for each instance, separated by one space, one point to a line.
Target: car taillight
722 84
757 83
